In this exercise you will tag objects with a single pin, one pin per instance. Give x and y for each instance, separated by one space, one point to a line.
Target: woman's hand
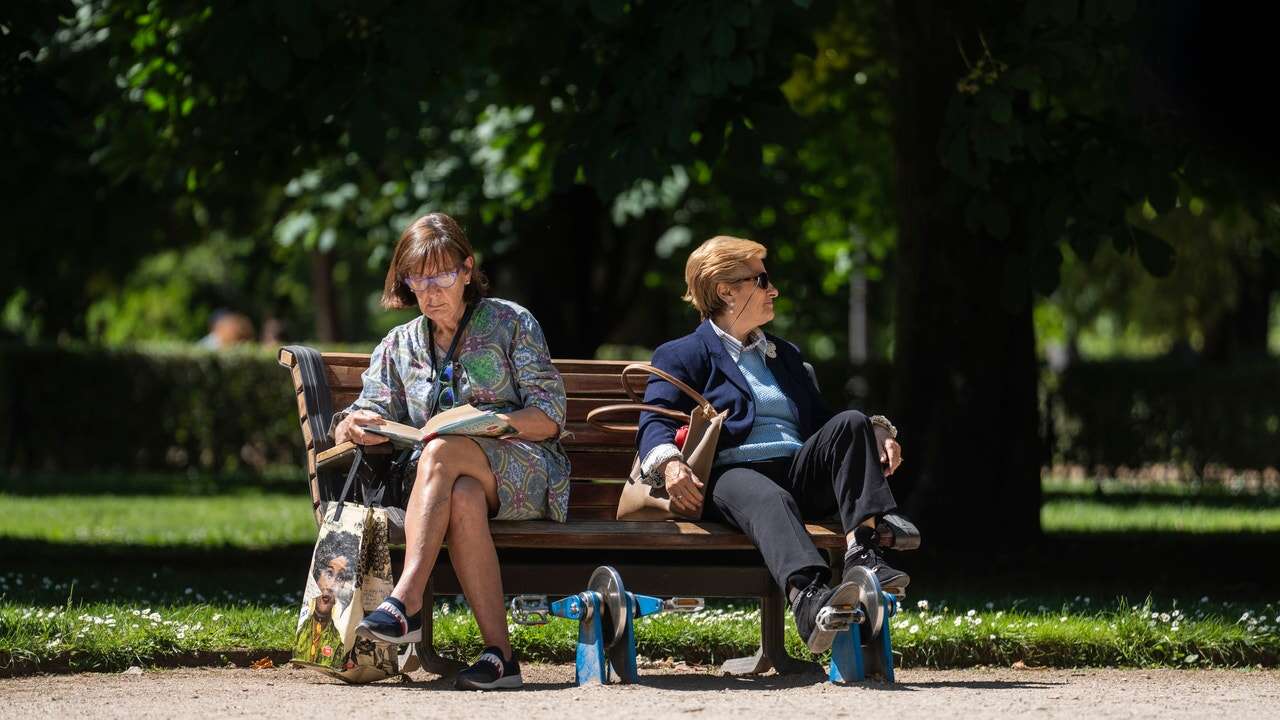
352 428
890 450
683 487
531 424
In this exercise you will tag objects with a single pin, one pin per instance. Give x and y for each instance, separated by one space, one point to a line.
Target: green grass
1115 507
233 521
1088 516
112 636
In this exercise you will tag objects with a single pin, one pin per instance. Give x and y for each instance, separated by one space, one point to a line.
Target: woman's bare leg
443 461
475 561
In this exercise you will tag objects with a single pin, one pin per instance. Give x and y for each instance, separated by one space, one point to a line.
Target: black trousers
837 471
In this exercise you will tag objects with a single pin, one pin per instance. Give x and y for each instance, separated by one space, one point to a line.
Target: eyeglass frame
429 281
762 280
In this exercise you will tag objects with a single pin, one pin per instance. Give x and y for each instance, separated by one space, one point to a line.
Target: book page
467 420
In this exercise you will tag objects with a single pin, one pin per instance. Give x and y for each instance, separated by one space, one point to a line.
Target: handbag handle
594 417
679 384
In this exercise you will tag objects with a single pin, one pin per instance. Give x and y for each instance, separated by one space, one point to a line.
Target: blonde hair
717 260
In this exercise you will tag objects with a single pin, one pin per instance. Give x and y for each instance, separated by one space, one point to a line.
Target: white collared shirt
755 341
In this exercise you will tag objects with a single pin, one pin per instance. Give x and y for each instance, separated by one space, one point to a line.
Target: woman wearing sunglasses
464 348
782 458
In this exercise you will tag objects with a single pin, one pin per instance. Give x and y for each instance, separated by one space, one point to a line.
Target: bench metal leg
431 662
773 647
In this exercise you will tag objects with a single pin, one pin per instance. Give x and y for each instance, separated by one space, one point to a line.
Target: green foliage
1115 414
165 409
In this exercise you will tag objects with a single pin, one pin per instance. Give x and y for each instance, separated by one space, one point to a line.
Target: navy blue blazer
702 362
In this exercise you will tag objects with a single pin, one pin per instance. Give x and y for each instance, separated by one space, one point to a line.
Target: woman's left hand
890 451
531 424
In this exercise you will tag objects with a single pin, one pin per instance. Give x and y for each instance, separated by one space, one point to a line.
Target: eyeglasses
762 280
420 283
449 396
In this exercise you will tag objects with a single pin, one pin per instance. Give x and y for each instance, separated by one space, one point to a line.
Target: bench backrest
601 459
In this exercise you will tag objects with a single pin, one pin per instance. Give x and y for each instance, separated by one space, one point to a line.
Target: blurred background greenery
1034 233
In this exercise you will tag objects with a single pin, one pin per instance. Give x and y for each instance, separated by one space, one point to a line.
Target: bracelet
883 422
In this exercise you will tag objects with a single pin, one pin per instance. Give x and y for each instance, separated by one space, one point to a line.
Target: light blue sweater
775 433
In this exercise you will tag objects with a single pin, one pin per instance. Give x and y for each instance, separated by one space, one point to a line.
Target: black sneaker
490 672
865 552
390 623
809 602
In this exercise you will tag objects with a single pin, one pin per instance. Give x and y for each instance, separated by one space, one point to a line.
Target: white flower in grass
971 613
958 621
977 621
1164 617
991 637
922 604
1174 627
913 629
216 617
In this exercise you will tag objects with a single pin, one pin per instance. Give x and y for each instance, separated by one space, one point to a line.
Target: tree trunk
323 300
964 392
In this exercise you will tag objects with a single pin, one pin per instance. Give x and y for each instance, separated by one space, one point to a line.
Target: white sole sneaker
506 682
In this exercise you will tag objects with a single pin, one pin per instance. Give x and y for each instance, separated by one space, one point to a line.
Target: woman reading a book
464 349
781 456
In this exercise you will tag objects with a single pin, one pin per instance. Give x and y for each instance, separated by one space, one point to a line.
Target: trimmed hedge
1106 415
163 409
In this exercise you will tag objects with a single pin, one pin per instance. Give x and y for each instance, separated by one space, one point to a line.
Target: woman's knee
434 458
467 505
852 418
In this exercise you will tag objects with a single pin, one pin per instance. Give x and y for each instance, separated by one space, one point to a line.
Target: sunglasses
762 280
449 396
420 283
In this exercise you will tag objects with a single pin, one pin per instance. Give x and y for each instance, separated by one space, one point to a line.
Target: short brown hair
717 260
432 241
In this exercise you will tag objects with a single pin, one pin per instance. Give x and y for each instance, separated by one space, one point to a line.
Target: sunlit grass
238 521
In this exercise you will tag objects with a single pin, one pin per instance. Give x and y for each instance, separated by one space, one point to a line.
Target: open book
462 420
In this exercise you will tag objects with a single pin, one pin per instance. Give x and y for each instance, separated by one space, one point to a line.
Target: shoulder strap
679 384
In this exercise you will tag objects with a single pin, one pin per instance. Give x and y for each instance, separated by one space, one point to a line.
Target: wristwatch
883 422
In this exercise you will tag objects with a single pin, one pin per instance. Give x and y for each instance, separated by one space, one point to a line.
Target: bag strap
594 417
354 470
679 384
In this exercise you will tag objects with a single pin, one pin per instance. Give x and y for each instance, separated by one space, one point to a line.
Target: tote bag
639 500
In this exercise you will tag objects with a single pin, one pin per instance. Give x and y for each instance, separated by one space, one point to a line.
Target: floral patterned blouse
505 367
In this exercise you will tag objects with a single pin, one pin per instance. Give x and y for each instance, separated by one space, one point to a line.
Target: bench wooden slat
598 385
597 464
601 534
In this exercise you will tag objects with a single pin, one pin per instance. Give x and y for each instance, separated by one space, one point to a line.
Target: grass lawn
113 636
243 520
1081 509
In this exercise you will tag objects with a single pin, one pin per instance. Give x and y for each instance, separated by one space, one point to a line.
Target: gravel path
673 691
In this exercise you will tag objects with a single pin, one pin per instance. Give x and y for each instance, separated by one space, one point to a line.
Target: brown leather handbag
641 501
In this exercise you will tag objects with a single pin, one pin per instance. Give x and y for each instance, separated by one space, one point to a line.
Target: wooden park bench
703 559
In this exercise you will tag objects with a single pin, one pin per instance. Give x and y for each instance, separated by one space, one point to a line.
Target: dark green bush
1114 414
91 409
